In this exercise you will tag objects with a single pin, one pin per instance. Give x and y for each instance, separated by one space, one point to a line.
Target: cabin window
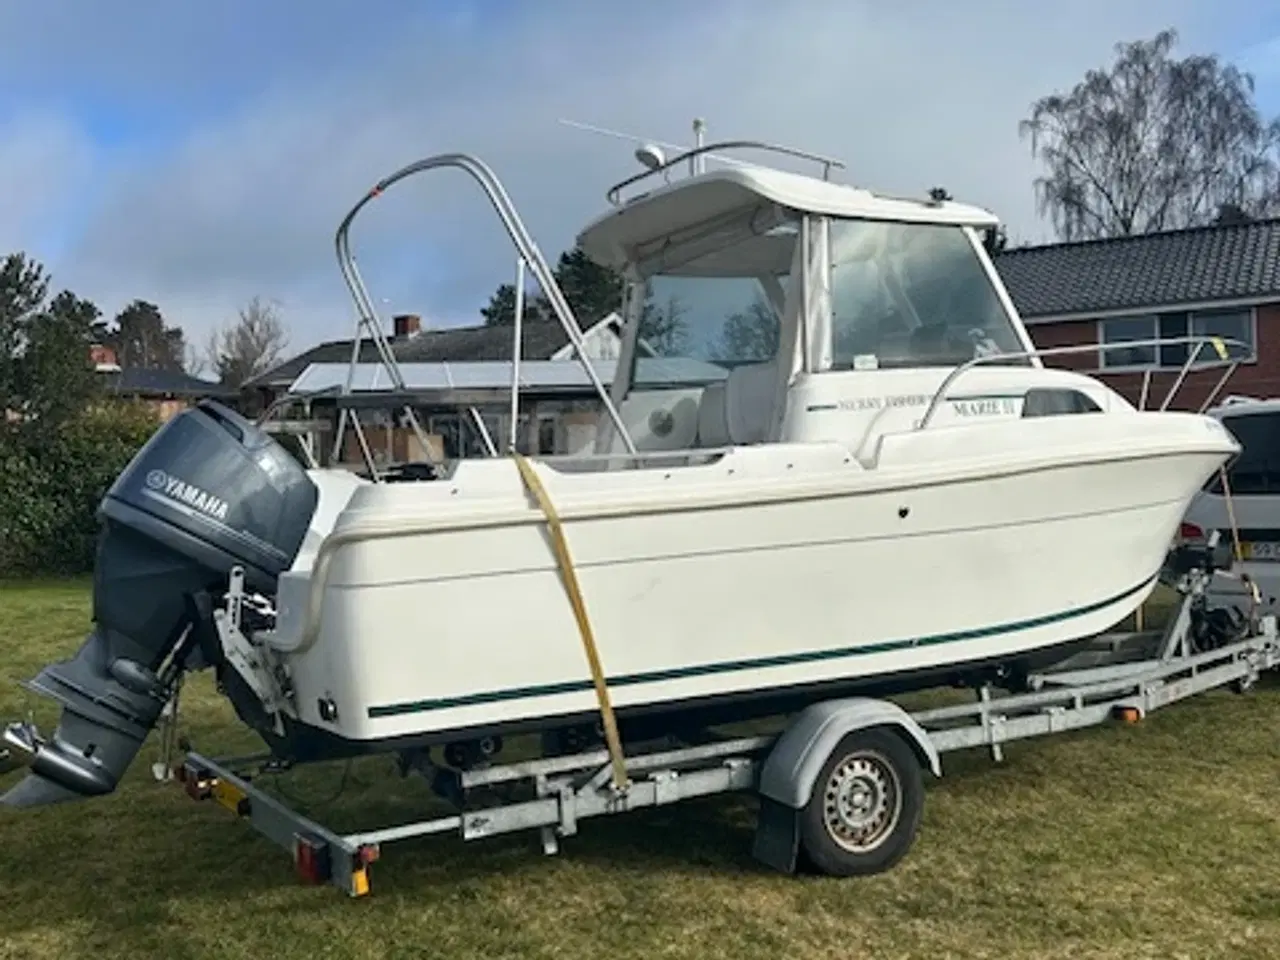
1055 401
694 330
912 295
702 317
713 302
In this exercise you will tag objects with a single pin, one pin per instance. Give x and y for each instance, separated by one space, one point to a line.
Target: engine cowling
208 492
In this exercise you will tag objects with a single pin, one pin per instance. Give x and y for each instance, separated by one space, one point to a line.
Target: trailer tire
866 805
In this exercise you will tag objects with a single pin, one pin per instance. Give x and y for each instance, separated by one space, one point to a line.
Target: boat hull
311 742
467 628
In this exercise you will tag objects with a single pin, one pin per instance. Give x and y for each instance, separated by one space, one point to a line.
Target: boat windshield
701 321
912 295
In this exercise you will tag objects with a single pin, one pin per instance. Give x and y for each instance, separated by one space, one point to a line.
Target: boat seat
713 425
749 393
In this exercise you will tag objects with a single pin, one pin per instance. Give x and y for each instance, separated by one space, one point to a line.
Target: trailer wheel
1243 684
866 805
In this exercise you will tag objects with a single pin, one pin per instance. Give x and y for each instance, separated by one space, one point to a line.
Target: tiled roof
540 338
331 351
1197 265
143 381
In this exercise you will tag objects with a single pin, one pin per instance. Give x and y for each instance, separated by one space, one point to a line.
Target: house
168 391
540 340
556 416
1221 280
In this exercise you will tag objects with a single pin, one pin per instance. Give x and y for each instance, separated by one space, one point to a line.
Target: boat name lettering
175 488
889 402
985 407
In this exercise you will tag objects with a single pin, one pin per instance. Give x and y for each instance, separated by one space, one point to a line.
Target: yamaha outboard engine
207 493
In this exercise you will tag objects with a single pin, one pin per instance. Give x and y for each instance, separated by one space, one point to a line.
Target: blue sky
200 154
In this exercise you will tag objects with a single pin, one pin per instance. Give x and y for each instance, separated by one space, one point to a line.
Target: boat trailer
806 777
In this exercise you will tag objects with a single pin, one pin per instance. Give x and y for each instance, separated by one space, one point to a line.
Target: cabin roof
719 195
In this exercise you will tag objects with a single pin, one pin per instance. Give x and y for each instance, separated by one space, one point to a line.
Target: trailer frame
1120 676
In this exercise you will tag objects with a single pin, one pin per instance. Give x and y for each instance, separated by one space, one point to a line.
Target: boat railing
530 256
1219 344
689 156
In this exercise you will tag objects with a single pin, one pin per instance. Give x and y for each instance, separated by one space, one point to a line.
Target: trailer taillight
197 784
1189 531
311 858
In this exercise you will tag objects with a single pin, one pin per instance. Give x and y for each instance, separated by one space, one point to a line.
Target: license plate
1264 550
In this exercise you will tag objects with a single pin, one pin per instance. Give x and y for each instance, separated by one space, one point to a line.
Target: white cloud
911 95
44 162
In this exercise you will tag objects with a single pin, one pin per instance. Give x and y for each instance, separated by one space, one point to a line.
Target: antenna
649 144
648 150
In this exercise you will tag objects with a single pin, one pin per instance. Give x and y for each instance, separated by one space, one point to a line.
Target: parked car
1254 482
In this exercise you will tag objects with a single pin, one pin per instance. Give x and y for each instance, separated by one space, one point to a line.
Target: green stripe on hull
735 666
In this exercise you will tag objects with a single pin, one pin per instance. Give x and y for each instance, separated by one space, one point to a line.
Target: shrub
52 481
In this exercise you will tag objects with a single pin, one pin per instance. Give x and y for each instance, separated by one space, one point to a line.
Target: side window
912 295
1052 402
1256 471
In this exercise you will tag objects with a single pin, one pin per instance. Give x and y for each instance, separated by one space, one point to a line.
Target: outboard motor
208 492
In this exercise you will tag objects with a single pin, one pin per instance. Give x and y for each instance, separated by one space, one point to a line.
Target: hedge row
52 481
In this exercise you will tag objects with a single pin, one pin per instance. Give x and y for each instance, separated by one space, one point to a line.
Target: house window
1114 332
1125 330
1231 324
547 436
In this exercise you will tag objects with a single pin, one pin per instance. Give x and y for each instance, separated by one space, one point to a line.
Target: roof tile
1197 265
151 382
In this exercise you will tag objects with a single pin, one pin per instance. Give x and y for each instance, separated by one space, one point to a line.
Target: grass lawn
1158 840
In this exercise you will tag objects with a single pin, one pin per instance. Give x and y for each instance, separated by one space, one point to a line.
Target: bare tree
751 335
194 361
250 346
664 329
1153 143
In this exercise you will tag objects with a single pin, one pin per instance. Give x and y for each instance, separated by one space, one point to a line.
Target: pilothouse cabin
815 310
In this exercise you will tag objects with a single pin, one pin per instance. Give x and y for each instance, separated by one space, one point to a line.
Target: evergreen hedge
52 480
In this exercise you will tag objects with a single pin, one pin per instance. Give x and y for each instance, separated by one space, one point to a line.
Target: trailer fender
796 759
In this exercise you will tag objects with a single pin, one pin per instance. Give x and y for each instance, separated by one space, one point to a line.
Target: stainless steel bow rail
1122 677
1219 344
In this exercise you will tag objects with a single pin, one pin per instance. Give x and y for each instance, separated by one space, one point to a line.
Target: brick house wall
1260 378
166 408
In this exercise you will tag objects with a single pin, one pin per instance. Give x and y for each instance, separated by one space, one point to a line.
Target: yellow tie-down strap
571 587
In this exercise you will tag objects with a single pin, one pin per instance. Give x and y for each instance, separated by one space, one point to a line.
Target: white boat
831 459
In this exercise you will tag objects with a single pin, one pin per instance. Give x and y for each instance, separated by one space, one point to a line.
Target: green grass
1158 840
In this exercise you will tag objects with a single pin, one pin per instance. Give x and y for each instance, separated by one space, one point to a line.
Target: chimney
103 359
406 325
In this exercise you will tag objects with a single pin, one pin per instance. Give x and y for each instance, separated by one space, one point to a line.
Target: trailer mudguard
793 765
